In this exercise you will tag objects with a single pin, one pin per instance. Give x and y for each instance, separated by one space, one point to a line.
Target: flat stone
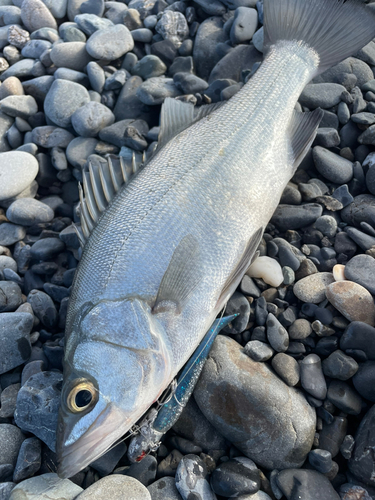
164 489
306 484
29 459
15 328
242 57
149 66
17 171
115 487
110 43
155 90
46 487
352 300
312 288
90 119
258 351
8 400
63 99
287 368
344 397
288 217
22 106
333 167
321 95
49 136
36 15
72 55
80 149
244 25
28 211
11 233
268 421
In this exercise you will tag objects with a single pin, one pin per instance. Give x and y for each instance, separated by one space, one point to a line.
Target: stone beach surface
284 408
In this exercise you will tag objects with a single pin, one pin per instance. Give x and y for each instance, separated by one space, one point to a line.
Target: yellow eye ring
81 397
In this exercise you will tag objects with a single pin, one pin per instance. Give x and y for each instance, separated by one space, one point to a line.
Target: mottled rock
46 487
110 43
232 384
35 15
63 99
312 288
352 300
15 346
191 479
115 487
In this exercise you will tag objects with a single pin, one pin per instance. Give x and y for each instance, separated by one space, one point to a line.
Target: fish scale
173 244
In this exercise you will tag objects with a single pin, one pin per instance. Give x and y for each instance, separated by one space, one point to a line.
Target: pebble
321 95
149 66
10 233
288 217
188 83
29 459
264 407
115 487
172 26
258 351
110 43
8 400
361 463
46 248
321 460
352 300
91 118
244 25
49 136
43 307
344 397
7 264
361 210
359 336
164 489
22 106
36 15
154 90
300 329
277 336
37 406
209 35
46 487
191 479
80 149
312 288
364 380
17 171
72 55
267 269
236 477
27 211
331 166
306 484
339 366
15 349
312 378
347 446
287 368
237 304
361 270
63 99
11 440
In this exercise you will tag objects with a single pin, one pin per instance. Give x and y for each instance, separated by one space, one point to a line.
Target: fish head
113 373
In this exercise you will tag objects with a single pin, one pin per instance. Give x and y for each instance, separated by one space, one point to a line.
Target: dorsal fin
207 109
175 117
303 127
101 181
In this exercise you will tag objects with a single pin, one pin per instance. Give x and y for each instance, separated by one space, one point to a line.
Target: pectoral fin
181 277
236 275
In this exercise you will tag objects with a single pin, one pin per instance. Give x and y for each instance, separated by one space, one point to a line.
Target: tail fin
335 29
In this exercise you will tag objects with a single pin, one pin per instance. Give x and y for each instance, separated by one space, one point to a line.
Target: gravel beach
285 405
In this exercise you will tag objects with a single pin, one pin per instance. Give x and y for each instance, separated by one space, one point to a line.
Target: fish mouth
110 425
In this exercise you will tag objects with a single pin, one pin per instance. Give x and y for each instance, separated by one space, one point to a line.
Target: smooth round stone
80 149
321 95
46 248
11 86
268 421
49 136
344 397
258 351
11 439
244 25
22 106
305 484
91 118
364 380
143 35
96 76
10 233
72 55
312 378
268 269
63 99
29 459
312 288
115 487
339 365
236 477
149 66
28 211
36 15
17 171
164 489
288 217
361 463
300 329
191 479
287 368
338 272
15 347
110 43
331 166
46 487
361 270
7 263
277 336
352 300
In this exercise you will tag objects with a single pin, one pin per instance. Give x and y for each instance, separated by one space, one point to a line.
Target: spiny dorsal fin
175 117
302 130
236 275
101 182
181 277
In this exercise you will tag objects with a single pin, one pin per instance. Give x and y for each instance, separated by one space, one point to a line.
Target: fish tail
334 29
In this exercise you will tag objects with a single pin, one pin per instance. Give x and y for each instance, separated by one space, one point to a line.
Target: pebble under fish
166 250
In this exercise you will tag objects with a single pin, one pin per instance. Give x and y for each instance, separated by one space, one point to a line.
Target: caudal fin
335 29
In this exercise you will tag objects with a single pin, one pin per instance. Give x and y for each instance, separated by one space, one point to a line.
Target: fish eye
81 397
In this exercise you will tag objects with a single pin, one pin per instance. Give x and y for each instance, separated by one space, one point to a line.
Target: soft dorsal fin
207 109
181 277
236 275
175 117
302 130
101 182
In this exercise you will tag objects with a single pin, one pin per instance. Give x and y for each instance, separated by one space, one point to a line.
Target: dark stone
15 346
43 307
144 471
361 210
237 304
306 484
362 462
339 366
236 477
296 216
361 270
29 459
364 380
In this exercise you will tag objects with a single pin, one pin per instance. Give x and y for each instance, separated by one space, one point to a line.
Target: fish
166 248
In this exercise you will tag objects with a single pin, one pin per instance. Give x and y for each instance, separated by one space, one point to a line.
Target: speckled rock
17 171
312 288
28 211
352 300
15 346
110 43
115 487
268 421
63 99
36 15
46 487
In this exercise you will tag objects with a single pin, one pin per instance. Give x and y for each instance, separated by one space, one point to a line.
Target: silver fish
171 247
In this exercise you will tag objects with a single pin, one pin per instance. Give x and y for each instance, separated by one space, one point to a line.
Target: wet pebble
352 300
191 479
236 477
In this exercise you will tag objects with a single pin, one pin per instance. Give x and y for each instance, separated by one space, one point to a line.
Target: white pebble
338 272
268 269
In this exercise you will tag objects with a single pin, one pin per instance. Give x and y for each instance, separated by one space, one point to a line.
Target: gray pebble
116 81
361 270
191 479
306 484
343 113
35 48
8 400
173 26
10 296
49 136
288 217
90 119
312 378
312 288
344 397
321 95
15 347
276 334
38 87
96 76
116 487
63 99
155 90
71 55
244 25
29 459
17 171
164 489
333 167
36 15
80 149
116 11
327 137
110 43
70 32
149 66
287 368
237 304
27 211
11 440
71 75
90 23
46 487
189 84
10 233
340 366
321 460
347 446
142 35
258 351
363 380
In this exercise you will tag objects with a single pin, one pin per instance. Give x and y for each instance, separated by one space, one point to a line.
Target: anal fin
302 131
